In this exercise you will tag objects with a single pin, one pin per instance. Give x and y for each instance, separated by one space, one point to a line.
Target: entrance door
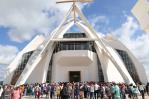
74 76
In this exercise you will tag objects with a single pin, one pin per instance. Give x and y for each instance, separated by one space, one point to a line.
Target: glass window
21 67
74 35
129 65
75 45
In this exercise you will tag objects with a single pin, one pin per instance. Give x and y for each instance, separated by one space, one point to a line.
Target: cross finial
73 1
74 5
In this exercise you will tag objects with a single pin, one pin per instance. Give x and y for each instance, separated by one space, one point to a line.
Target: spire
74 5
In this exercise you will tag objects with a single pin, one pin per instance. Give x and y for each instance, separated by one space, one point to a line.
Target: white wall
15 63
88 66
141 12
113 74
113 68
139 67
37 72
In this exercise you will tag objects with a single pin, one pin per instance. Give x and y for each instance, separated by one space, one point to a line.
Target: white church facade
68 57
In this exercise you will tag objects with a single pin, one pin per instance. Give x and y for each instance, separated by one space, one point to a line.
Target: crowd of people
79 90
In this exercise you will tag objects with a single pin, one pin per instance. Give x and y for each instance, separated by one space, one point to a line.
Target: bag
85 88
65 91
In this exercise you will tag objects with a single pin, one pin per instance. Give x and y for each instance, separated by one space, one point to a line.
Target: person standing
147 89
142 90
117 91
37 92
85 90
16 93
70 90
92 91
7 92
58 90
123 91
108 91
64 93
135 92
77 91
102 91
130 89
52 91
112 90
96 93
1 91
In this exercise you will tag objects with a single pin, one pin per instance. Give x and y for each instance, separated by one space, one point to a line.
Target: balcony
74 57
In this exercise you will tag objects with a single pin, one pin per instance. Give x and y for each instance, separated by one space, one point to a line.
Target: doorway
74 76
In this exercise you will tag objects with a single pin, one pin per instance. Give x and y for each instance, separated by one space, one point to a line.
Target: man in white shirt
142 90
92 91
96 90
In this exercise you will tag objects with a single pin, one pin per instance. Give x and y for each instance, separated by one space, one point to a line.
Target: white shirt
91 88
1 91
141 87
96 87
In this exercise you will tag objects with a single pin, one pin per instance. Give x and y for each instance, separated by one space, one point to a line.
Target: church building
75 56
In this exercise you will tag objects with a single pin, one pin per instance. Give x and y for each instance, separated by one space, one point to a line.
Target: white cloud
138 44
2 72
128 34
26 18
7 53
98 21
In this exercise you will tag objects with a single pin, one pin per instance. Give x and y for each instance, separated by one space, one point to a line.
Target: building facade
141 12
67 57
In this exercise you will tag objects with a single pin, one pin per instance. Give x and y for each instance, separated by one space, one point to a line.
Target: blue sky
21 20
115 11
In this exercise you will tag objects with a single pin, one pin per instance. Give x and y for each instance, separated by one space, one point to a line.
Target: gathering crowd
79 90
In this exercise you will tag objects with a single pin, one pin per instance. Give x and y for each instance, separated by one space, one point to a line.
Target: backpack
65 91
85 88
52 88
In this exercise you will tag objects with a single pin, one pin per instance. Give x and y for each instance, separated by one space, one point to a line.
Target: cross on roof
74 1
74 5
